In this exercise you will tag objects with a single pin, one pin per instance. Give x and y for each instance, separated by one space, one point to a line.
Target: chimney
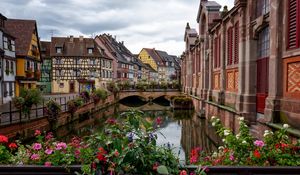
71 38
122 42
80 38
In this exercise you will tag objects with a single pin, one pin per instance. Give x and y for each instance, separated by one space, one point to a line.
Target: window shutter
219 51
216 54
229 46
293 24
236 43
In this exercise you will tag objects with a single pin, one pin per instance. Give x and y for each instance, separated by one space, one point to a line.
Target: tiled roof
164 56
149 68
154 55
73 46
22 30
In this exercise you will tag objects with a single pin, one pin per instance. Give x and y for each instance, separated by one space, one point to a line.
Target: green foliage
163 85
52 111
141 85
99 94
124 85
27 98
74 104
113 87
276 149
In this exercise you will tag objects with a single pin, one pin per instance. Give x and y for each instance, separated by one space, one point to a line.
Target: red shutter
216 53
236 43
229 46
219 51
293 24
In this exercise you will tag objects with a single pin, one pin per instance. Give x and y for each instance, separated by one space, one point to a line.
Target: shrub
52 111
74 104
85 95
99 94
113 87
141 85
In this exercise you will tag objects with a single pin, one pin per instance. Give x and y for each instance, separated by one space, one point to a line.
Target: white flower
223 140
226 132
221 148
238 136
213 124
286 126
215 154
213 117
241 118
244 142
217 119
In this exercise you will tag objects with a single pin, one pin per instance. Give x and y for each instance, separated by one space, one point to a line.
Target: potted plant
28 72
52 111
99 94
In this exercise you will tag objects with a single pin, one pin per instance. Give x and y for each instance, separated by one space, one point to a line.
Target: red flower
155 166
101 154
111 121
256 154
116 153
37 132
3 139
183 172
158 120
12 146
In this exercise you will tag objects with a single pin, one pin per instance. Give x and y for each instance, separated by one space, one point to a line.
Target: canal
181 130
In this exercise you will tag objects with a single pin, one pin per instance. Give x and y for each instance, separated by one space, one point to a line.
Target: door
262 84
72 87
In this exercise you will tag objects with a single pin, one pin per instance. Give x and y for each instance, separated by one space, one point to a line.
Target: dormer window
90 50
58 50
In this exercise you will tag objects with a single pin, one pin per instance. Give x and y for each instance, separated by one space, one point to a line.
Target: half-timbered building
245 62
76 64
46 68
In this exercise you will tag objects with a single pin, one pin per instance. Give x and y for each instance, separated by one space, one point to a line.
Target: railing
11 115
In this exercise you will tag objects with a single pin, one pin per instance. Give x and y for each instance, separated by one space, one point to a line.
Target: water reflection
181 130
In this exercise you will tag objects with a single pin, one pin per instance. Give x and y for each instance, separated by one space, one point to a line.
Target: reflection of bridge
149 95
145 107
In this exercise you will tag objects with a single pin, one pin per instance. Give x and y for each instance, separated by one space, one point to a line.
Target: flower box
39 170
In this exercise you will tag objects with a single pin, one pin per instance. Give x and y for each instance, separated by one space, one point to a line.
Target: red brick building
245 62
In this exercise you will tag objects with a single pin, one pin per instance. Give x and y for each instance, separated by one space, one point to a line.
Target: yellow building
27 52
149 56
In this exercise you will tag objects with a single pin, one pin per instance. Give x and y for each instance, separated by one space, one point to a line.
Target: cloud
140 23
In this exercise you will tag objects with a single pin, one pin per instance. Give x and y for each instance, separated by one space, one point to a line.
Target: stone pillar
275 60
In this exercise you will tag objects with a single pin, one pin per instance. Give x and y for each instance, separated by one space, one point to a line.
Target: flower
183 172
226 132
244 142
231 157
47 164
37 146
259 143
267 132
35 157
3 139
213 117
116 153
111 121
61 145
286 126
158 120
48 151
213 124
223 140
241 118
221 148
155 166
49 136
256 154
238 136
37 132
12 146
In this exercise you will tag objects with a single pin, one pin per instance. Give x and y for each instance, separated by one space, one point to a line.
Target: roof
209 5
72 46
164 56
149 68
45 49
22 30
152 53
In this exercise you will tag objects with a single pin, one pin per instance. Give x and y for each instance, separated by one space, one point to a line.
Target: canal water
182 130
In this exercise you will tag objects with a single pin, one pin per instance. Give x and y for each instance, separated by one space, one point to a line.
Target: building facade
46 68
7 63
245 62
76 65
27 49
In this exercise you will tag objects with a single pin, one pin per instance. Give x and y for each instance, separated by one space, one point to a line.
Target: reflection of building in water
197 133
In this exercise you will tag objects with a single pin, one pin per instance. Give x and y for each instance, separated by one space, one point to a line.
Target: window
229 46
11 66
236 43
5 43
217 52
28 65
90 50
7 66
13 45
293 32
263 43
5 90
262 7
11 89
58 49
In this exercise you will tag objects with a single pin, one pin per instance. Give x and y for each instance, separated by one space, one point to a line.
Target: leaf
162 169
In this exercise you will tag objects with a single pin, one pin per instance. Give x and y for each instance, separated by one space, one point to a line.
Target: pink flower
47 164
48 151
37 146
231 157
61 145
193 159
49 136
37 132
3 139
77 153
259 143
35 157
183 172
158 120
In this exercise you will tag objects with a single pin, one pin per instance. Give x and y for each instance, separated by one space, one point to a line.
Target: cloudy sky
156 24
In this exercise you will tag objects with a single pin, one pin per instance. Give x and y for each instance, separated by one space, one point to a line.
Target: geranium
47 164
259 143
48 151
158 120
256 154
37 146
13 145
37 132
3 139
61 145
35 157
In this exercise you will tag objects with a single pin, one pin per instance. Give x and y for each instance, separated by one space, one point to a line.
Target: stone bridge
148 95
